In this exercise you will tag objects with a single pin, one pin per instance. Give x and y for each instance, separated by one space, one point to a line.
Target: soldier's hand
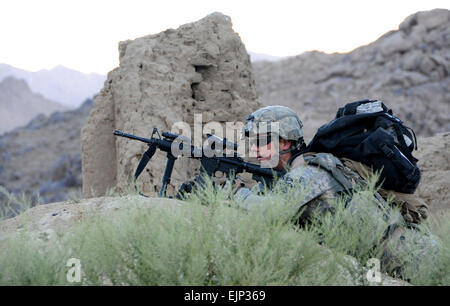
190 186
185 188
217 181
235 184
221 180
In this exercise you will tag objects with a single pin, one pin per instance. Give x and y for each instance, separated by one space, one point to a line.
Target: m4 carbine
212 158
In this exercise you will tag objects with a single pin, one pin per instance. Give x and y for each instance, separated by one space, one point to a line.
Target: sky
84 34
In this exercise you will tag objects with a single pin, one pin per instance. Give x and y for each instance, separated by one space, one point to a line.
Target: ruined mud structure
201 67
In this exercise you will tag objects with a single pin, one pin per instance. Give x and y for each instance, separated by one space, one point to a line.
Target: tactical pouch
413 209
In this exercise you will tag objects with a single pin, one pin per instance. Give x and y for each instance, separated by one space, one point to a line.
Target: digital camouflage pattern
267 119
313 182
318 186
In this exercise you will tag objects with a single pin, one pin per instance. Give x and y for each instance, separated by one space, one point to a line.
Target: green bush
209 240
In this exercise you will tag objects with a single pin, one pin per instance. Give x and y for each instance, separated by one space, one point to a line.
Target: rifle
211 161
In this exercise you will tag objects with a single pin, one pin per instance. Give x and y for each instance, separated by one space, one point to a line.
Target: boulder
434 18
428 19
55 219
396 42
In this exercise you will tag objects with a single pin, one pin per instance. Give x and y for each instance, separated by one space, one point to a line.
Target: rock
62 216
428 92
51 187
428 19
434 18
427 65
434 162
417 35
396 42
411 60
201 67
443 61
407 78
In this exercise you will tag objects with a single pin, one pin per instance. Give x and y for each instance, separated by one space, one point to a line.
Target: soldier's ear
284 144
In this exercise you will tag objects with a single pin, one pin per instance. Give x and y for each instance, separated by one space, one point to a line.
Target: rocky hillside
44 157
434 162
18 104
407 68
67 86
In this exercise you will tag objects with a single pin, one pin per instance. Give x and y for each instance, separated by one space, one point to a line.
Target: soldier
321 177
276 137
313 171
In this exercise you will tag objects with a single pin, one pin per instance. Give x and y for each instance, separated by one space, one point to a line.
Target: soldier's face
266 149
264 152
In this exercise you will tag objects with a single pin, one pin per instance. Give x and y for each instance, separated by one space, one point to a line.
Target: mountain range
66 86
18 104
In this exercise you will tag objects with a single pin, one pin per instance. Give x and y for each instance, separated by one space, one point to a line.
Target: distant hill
408 69
18 104
259 57
44 157
66 86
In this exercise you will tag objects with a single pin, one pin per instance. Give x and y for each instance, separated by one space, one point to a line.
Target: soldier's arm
313 186
248 200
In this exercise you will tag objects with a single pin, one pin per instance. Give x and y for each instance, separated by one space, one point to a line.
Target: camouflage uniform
403 248
317 185
322 177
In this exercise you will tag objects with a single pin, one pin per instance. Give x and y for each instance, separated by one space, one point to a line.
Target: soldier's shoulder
313 181
317 163
310 174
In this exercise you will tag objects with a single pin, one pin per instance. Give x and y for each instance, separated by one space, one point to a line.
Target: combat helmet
289 125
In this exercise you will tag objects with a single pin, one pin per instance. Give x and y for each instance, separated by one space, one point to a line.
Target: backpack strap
330 163
346 176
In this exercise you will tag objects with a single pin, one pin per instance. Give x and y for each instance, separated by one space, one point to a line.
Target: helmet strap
294 148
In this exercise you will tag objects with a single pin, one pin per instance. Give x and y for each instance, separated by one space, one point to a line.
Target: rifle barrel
130 136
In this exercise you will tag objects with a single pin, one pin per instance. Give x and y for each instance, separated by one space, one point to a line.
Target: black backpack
366 131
